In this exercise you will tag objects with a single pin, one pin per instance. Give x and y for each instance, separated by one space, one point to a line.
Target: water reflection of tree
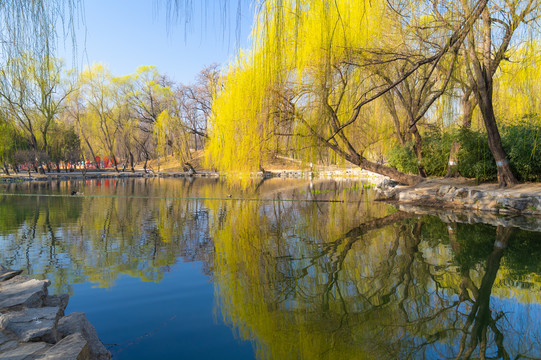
135 227
306 279
120 227
480 319
385 289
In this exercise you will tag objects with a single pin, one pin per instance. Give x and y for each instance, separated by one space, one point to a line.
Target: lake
280 269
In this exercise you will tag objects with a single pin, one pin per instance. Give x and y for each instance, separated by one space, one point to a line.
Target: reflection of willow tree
129 229
138 228
479 320
291 290
387 288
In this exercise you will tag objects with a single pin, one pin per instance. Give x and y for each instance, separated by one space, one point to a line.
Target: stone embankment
295 174
522 199
99 175
33 325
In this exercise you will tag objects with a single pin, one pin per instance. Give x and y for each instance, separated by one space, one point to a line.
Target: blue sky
125 34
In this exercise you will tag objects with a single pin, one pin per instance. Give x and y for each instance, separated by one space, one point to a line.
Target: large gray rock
78 323
6 274
7 343
3 338
73 347
60 301
515 204
22 292
35 324
23 352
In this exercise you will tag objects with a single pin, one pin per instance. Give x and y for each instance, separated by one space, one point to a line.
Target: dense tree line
50 116
360 82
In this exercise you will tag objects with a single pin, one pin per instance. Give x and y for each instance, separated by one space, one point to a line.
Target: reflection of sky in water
161 274
523 323
170 319
519 325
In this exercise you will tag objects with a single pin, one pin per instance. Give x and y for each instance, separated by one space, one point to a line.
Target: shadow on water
340 277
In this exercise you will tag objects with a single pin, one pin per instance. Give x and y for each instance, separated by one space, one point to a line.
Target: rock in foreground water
33 325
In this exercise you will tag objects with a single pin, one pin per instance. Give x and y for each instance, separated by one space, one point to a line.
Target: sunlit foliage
287 87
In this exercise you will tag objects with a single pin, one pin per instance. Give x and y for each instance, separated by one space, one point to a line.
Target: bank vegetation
407 89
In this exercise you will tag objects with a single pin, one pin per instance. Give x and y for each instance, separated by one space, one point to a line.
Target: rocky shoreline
523 199
461 194
33 325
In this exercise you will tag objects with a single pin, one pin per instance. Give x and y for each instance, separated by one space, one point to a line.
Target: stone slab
21 292
6 274
10 345
78 323
35 324
23 352
60 301
7 343
3 338
73 347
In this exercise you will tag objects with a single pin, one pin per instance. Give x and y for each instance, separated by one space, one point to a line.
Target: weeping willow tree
312 54
33 26
318 73
517 85
29 78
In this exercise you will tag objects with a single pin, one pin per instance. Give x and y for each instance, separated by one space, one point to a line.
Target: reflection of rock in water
528 223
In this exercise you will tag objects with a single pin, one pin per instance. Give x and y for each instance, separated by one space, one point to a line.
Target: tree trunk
389 171
6 170
417 148
483 92
115 163
92 153
191 170
364 163
505 175
131 163
452 167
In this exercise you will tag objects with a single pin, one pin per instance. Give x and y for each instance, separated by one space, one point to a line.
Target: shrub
435 150
474 157
523 146
521 142
403 158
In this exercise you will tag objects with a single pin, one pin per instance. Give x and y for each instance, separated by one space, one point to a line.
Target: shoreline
90 175
450 194
295 174
464 195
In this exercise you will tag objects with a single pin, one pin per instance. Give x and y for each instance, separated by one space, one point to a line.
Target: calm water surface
285 269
